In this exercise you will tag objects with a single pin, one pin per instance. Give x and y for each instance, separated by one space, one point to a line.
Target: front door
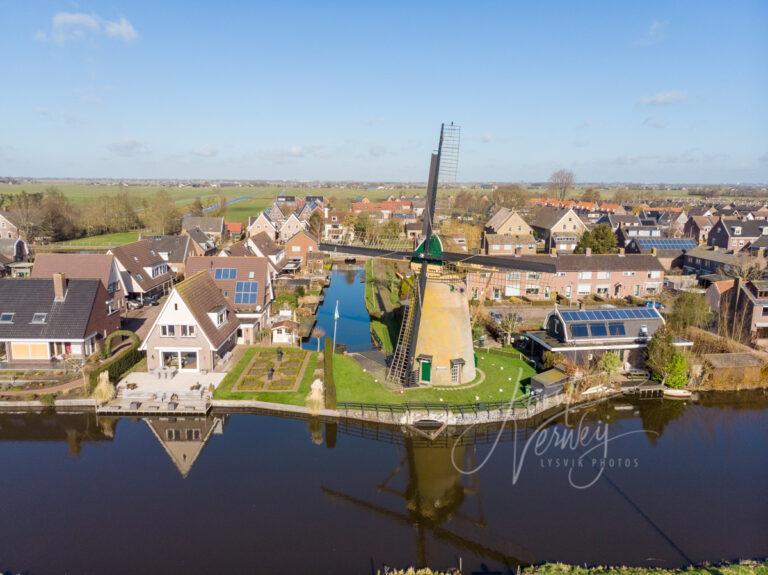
426 371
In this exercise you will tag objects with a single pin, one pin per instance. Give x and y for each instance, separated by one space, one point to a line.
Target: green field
503 374
104 240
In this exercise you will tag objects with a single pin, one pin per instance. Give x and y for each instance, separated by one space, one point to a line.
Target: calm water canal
354 327
250 493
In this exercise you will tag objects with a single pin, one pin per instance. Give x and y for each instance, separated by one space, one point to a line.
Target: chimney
518 251
653 251
621 252
553 252
325 212
761 252
588 251
59 286
714 248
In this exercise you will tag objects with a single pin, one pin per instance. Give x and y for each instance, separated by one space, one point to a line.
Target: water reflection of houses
74 429
184 438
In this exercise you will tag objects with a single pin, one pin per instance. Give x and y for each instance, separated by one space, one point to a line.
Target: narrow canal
250 493
354 326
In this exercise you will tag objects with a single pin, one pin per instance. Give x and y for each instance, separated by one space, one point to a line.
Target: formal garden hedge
118 365
328 384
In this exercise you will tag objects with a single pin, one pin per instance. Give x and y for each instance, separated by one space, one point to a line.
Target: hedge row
116 366
329 385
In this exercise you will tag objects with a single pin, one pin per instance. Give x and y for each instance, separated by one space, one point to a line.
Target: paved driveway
141 320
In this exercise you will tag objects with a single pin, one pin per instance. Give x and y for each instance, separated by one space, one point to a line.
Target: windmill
435 495
435 341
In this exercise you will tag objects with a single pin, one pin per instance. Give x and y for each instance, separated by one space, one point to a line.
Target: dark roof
66 319
607 262
177 247
664 244
198 236
136 256
207 224
265 244
749 228
547 217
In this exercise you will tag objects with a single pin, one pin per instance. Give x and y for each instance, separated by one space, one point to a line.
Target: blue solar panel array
666 243
609 314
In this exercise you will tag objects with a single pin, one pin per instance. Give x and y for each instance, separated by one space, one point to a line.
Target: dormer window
39 317
736 230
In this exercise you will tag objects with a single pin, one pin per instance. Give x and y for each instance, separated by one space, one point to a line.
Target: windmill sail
428 253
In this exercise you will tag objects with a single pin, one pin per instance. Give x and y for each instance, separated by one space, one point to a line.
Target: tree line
51 216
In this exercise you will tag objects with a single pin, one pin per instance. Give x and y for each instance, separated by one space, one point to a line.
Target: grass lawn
241 211
116 239
353 384
224 390
746 568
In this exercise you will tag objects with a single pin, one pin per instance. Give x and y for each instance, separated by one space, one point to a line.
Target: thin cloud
657 123
666 98
128 148
656 33
74 26
206 152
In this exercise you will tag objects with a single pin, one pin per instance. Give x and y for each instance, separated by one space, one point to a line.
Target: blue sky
616 91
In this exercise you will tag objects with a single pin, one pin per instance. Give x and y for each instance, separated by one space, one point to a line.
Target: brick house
299 245
570 275
246 284
262 224
102 267
509 245
43 320
736 235
8 227
560 229
143 271
698 228
195 330
214 228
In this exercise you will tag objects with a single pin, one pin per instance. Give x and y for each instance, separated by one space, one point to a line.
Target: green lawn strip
381 328
355 385
746 568
116 239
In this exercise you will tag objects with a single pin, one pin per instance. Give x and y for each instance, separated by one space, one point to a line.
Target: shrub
328 383
116 366
677 373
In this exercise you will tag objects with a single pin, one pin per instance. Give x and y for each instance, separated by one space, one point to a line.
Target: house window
6 317
616 329
225 273
533 275
585 275
140 277
168 330
245 292
295 249
39 317
113 287
187 331
584 289
603 275
221 317
629 274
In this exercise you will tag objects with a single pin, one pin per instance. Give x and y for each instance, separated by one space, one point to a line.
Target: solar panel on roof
666 243
579 330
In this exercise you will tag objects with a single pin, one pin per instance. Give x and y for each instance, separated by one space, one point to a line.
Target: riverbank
741 568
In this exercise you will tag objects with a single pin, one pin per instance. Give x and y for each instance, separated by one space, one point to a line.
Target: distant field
82 193
104 240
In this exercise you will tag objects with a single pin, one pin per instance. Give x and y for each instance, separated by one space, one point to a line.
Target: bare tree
560 182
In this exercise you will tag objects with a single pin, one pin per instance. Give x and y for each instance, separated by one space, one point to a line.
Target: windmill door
426 371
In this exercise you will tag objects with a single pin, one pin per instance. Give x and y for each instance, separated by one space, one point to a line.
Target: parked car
495 316
134 304
657 304
151 300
